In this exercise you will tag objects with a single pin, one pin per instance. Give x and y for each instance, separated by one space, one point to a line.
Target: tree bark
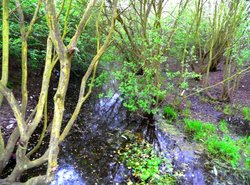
5 49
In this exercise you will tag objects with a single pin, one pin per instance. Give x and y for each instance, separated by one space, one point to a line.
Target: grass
198 129
170 113
223 127
220 146
244 144
224 148
216 138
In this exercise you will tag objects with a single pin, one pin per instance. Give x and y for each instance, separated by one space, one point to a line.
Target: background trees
163 44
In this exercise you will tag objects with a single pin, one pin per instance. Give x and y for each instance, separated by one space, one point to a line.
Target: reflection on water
91 147
67 175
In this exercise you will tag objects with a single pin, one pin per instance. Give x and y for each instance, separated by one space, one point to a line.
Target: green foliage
37 39
246 113
222 147
199 130
225 149
142 79
170 113
102 78
145 164
139 93
222 31
186 112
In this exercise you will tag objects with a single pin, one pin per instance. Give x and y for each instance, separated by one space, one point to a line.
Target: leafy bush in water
145 164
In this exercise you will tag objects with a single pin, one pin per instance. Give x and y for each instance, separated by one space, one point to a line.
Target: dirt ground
208 110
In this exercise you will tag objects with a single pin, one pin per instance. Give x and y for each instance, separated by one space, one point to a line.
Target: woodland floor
208 110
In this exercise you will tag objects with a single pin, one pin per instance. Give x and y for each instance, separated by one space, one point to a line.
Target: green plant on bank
170 113
246 113
145 164
198 129
222 147
186 111
245 147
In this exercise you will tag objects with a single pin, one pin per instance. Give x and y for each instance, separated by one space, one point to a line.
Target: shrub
245 149
227 110
223 127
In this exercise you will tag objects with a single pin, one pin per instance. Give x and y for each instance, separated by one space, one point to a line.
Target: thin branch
15 108
221 82
92 66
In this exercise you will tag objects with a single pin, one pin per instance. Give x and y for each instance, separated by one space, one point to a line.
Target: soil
208 110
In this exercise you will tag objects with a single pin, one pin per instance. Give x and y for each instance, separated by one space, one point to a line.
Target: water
67 175
89 154
183 155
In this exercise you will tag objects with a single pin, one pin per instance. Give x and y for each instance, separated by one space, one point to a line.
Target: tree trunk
5 49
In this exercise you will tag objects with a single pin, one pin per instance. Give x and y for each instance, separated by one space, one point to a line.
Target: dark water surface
89 154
